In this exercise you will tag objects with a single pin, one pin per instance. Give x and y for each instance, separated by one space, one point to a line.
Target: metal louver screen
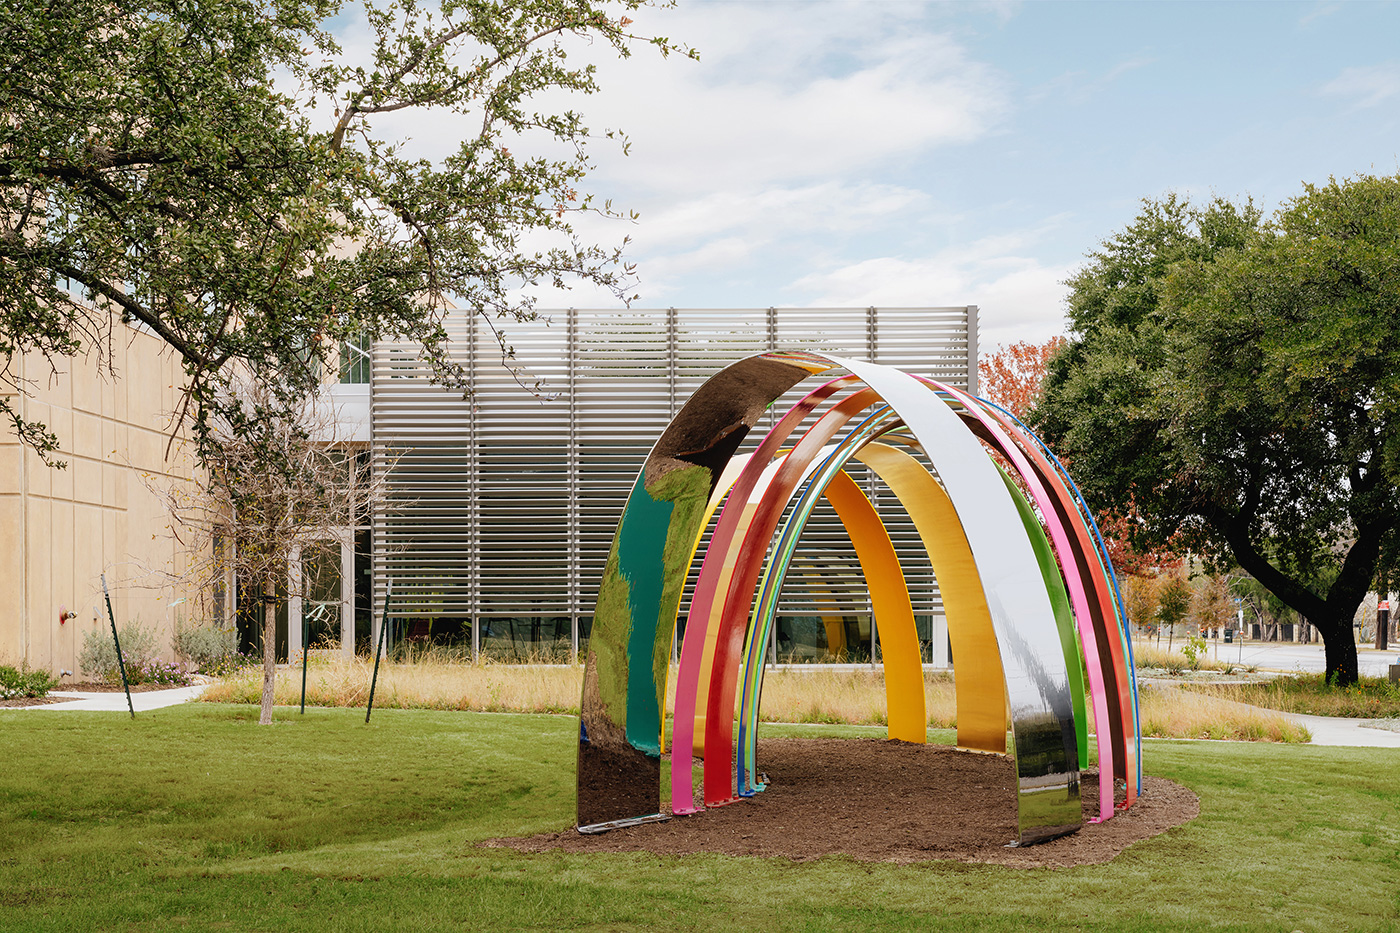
502 506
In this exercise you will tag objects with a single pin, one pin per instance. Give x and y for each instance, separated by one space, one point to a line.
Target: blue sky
906 154
892 153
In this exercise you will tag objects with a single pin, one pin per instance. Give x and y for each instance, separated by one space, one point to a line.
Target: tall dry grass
425 683
820 694
1174 713
1311 694
1148 654
846 696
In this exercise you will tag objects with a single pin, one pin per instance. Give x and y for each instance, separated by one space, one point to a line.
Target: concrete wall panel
62 529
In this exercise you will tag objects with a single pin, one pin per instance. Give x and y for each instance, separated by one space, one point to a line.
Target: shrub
229 664
1194 648
99 656
164 673
22 682
209 648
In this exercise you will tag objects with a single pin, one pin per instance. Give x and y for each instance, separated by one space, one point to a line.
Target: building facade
501 505
103 513
499 508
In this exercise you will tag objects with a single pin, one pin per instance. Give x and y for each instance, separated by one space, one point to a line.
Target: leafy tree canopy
1236 378
223 175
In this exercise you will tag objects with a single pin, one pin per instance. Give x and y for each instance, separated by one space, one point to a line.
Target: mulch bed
31 701
883 801
91 687
80 687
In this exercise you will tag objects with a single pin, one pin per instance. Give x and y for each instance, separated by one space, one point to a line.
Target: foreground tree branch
213 173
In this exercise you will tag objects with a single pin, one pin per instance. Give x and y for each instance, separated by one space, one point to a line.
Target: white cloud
787 93
782 93
828 207
1366 86
770 156
1019 297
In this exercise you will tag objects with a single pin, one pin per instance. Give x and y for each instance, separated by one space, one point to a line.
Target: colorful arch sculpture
1031 601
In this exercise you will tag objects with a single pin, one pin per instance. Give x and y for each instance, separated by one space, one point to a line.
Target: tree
1236 379
1210 602
221 174
256 511
1013 377
1140 594
1173 602
1268 610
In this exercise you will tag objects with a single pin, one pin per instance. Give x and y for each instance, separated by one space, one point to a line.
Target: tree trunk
270 648
1339 648
1331 615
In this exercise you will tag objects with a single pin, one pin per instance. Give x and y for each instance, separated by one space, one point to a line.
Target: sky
907 154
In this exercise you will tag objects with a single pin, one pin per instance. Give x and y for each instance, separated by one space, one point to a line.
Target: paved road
1290 657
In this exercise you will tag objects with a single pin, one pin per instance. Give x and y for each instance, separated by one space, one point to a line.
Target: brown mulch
886 802
87 686
31 701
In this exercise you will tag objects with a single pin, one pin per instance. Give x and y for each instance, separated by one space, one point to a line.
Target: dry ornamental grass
816 695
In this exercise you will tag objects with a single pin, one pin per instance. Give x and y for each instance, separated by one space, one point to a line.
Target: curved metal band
1091 639
698 623
907 718
640 586
978 679
1077 547
710 624
1106 579
621 708
1037 683
737 599
1064 618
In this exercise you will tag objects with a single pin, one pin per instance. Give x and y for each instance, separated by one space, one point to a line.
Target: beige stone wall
61 529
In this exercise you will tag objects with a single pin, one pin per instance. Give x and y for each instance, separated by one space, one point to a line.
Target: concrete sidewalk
116 702
1328 730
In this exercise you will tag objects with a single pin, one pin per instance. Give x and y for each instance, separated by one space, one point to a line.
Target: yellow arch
977 671
894 613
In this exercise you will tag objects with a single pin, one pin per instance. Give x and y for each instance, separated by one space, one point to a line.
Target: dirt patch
81 687
17 702
90 687
885 802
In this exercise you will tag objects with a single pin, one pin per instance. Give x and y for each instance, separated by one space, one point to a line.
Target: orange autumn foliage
1012 377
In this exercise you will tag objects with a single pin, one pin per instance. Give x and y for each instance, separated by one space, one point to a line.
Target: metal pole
305 632
121 664
874 639
378 644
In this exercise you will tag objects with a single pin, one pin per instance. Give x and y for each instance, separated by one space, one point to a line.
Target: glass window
354 361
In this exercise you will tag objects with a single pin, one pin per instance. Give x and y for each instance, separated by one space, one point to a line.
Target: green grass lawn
195 818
